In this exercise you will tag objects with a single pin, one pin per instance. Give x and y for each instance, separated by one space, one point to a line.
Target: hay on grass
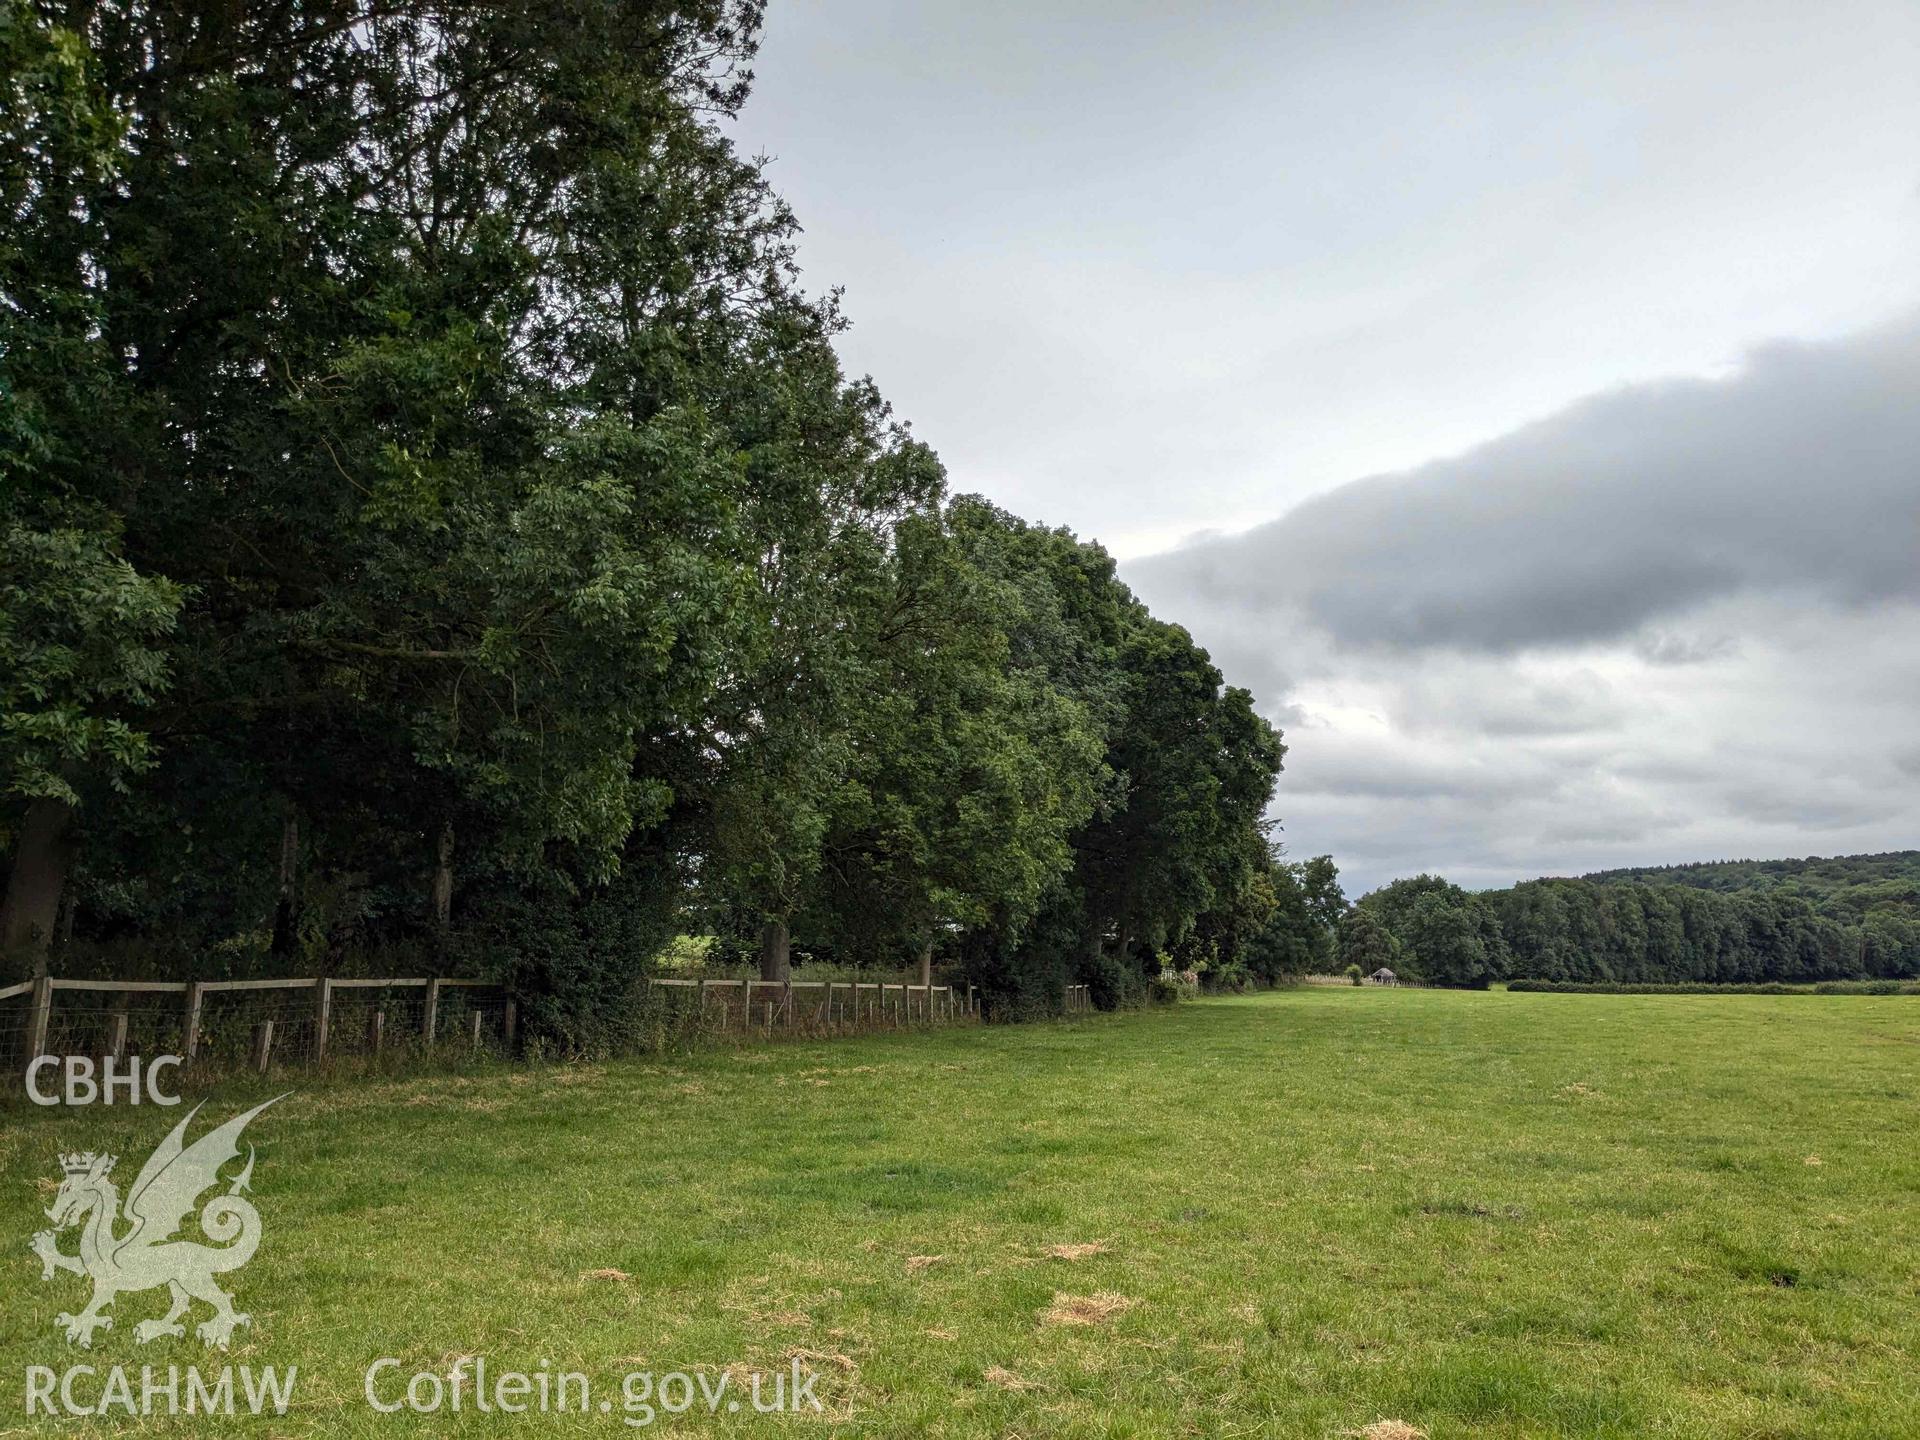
1096 1309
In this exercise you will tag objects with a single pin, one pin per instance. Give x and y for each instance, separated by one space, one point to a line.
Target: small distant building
1383 976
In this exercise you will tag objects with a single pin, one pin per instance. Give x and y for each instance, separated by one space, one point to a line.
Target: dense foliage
436 521
1741 922
1844 886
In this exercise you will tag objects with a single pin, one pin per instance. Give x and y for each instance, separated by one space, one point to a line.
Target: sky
1512 396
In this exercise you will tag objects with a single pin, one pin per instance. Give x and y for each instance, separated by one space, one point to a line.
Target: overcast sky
1518 398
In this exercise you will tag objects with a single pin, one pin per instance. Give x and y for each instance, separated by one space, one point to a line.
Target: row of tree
436 517
1613 930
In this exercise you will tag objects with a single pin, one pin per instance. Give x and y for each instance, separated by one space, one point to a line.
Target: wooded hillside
1732 922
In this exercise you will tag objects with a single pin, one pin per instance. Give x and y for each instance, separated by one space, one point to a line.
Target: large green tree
83 632
437 518
970 770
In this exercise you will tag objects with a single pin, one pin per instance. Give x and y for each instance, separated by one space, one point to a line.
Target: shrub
1169 987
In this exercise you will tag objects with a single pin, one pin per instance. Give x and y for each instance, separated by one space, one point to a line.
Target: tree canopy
436 517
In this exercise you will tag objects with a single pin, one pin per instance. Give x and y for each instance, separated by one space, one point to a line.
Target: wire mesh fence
273 1025
14 1026
261 1025
809 1007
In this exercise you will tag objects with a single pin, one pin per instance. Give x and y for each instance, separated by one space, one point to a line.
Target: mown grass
1481 1214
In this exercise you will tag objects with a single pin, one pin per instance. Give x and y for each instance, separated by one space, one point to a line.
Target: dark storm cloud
1800 475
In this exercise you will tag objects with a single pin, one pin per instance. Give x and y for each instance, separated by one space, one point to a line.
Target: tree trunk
31 910
443 879
775 961
69 904
284 909
926 962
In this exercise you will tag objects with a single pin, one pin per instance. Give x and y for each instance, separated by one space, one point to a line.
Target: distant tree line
437 528
1745 922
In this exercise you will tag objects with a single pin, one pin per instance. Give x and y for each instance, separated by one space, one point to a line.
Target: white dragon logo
162 1196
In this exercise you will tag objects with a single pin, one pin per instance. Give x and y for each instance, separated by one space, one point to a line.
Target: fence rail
838 1003
255 1022
258 1024
821 1005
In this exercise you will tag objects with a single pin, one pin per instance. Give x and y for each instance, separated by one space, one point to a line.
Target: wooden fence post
262 1045
117 1028
377 1030
510 1024
42 1003
322 1016
195 998
786 1003
431 1024
476 1029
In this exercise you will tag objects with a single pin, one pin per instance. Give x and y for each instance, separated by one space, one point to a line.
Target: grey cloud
1800 475
1661 647
1578 704
1810 810
1594 830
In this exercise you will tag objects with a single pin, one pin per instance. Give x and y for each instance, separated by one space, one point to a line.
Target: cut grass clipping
1085 1309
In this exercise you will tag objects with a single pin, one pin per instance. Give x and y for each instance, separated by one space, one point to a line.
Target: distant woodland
1727 922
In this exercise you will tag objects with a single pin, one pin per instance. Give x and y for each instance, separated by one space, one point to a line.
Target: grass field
1479 1214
